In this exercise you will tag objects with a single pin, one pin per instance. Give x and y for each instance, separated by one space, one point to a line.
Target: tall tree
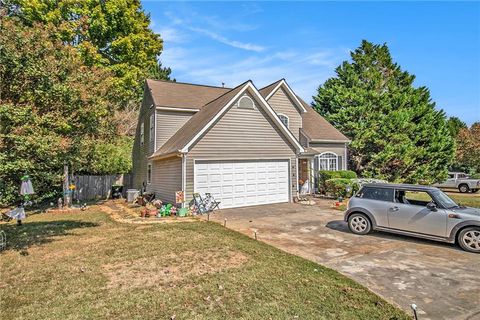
397 134
455 125
52 106
111 33
468 149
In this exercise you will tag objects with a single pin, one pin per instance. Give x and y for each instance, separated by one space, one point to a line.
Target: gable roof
316 128
270 90
265 91
196 123
182 95
204 119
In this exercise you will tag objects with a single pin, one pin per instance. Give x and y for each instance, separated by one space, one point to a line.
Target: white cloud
172 35
224 40
303 71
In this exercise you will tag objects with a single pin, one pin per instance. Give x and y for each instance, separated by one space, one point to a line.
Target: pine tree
397 133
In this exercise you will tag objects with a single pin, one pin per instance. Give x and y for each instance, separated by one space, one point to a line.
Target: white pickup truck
460 181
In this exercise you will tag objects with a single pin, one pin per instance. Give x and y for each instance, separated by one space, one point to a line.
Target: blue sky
303 42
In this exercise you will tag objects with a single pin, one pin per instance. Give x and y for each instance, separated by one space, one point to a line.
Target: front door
303 169
409 212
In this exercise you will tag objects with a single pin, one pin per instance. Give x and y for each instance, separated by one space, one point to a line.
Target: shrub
343 174
324 175
337 187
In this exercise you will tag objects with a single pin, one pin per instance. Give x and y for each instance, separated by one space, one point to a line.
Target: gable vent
246 102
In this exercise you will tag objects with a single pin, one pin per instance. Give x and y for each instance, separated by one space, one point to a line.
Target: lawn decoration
26 189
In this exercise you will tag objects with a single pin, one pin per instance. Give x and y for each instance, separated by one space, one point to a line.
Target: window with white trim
327 161
142 133
245 102
149 173
284 119
152 127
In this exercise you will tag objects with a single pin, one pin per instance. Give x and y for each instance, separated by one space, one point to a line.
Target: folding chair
210 202
199 203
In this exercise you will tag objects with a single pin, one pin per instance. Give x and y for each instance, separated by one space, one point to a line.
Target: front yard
88 266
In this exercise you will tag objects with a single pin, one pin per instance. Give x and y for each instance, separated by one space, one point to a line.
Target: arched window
245 102
327 161
284 119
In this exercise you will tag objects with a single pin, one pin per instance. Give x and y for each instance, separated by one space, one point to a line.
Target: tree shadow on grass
20 238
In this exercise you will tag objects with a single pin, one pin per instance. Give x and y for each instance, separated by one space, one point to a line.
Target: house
245 146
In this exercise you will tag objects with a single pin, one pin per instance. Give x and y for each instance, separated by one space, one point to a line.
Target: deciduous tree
51 104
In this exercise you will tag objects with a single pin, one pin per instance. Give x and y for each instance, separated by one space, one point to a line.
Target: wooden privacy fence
98 187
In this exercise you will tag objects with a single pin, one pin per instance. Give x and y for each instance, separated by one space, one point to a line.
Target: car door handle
394 209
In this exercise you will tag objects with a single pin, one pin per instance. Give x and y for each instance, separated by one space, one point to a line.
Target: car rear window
382 194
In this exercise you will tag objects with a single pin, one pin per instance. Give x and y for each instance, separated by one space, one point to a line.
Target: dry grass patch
170 270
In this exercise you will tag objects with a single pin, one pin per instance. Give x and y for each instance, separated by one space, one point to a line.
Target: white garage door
243 183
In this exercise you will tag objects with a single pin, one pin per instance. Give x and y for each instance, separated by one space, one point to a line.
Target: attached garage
243 182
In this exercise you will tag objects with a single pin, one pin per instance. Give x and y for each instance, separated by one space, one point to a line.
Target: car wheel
474 190
359 223
463 188
469 239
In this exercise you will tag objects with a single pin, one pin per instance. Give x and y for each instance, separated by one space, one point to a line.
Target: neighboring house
245 146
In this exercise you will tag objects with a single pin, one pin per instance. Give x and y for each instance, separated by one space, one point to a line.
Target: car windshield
444 200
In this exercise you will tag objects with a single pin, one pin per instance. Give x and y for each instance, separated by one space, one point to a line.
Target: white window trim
142 133
246 97
149 177
324 153
288 119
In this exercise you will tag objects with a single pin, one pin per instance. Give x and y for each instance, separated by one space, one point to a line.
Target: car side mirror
432 206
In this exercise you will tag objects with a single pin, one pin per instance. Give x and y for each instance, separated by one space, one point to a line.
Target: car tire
469 239
463 188
474 190
359 223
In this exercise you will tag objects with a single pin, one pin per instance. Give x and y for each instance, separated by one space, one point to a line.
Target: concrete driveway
442 280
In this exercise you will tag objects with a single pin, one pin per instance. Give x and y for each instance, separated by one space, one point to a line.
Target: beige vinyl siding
140 153
336 148
241 134
281 103
303 140
166 178
168 122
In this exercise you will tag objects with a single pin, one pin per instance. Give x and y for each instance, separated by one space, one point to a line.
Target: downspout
184 179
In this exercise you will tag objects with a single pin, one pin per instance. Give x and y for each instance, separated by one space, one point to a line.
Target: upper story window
142 133
152 127
245 102
284 119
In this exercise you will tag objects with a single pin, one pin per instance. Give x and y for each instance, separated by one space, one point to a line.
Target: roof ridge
190 84
242 84
268 85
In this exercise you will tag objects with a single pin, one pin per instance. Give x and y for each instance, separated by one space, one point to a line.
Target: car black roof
415 187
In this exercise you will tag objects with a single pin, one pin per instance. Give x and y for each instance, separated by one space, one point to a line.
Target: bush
342 174
475 176
337 187
324 175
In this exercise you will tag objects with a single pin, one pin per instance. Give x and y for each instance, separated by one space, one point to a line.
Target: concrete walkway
441 279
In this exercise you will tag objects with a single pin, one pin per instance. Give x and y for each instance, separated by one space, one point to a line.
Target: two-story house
243 145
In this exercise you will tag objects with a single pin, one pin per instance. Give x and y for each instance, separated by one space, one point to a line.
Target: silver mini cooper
413 210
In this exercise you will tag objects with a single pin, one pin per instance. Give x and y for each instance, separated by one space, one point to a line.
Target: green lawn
87 266
466 199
